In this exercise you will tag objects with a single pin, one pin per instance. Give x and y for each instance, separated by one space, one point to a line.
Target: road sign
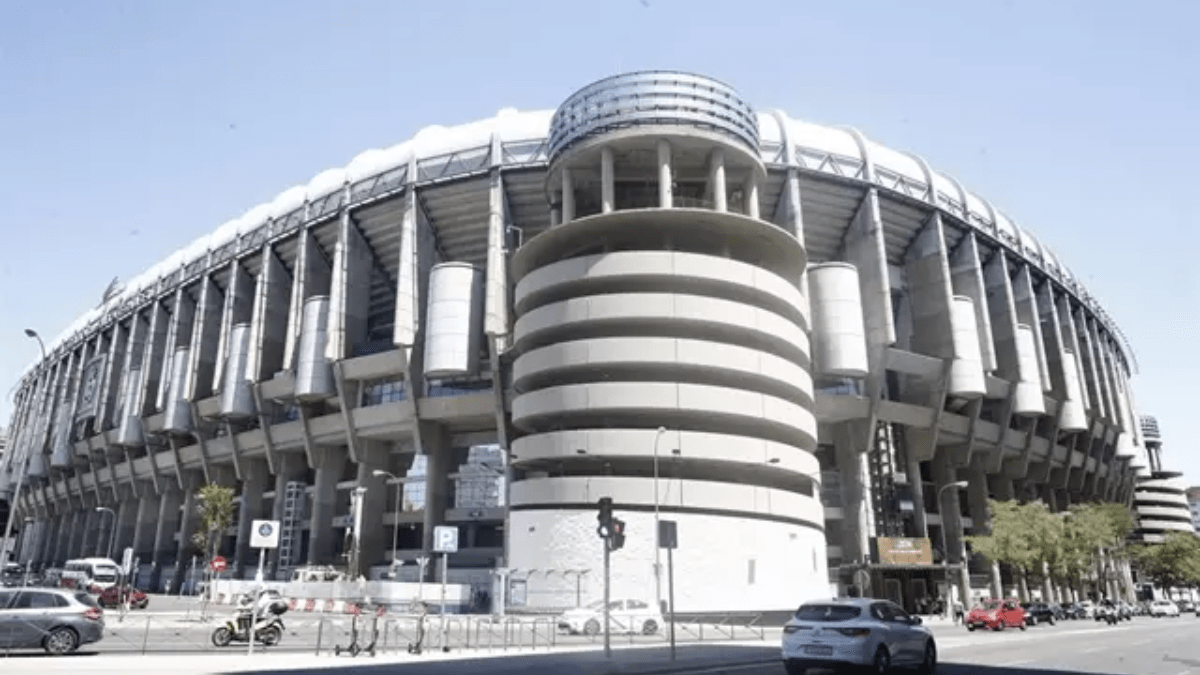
668 535
445 539
218 564
264 534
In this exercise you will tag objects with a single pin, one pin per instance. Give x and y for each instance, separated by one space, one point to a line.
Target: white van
86 574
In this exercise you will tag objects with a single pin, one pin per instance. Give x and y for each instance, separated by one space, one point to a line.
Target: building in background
1193 498
1160 502
809 350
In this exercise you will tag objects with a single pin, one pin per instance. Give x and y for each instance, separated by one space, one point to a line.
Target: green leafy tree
1017 537
215 508
1173 563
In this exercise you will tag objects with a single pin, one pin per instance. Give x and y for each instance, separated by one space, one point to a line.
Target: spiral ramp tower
661 330
1160 500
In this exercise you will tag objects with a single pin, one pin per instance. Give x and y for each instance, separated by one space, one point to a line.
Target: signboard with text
902 551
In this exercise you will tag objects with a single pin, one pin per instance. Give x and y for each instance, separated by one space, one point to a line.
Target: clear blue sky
131 128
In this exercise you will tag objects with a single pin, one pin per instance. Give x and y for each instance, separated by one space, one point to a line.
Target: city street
1144 646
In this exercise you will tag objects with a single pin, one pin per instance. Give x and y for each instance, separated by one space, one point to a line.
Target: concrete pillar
568 196
952 526
1002 488
716 180
50 541
288 467
187 527
666 191
436 442
848 453
91 532
607 182
375 538
254 475
920 521
144 528
752 198
63 548
127 519
322 505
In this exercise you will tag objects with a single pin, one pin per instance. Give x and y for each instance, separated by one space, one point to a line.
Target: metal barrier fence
157 633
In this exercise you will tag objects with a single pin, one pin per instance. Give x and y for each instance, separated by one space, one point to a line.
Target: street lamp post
657 562
395 514
23 463
958 484
113 531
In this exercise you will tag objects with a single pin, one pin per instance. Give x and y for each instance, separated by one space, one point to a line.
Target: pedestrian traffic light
617 542
605 517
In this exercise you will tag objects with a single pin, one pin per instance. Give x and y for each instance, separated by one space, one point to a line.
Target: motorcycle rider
252 607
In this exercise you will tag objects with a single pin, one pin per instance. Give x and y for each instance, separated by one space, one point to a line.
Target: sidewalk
577 661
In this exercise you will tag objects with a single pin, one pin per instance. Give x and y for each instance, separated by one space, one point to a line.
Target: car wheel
930 663
1050 621
971 627
1021 625
61 641
999 626
882 662
592 627
650 627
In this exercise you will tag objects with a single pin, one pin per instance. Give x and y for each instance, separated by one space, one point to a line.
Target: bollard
146 635
320 630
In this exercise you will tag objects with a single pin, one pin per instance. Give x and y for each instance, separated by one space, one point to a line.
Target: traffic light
618 535
605 517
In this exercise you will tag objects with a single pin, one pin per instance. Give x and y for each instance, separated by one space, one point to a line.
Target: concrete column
666 197
568 196
63 549
952 525
716 180
848 451
288 467
323 505
187 527
144 529
254 475
752 197
1002 488
94 531
981 517
127 519
375 538
607 182
53 532
920 521
436 442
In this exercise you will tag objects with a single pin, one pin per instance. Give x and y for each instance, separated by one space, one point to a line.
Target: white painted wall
711 565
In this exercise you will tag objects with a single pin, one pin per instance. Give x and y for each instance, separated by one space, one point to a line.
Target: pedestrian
958 612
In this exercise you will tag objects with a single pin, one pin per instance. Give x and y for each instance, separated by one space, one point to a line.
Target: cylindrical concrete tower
661 331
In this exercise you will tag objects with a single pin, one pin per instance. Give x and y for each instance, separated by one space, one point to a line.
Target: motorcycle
268 627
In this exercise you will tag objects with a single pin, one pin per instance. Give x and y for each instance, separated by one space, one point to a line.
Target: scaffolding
289 532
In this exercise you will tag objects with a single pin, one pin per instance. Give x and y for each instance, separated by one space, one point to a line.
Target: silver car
57 620
856 632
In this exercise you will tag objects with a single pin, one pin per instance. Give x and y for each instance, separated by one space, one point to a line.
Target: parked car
1074 611
1039 612
1186 606
56 620
625 616
997 615
856 632
1125 611
113 597
1163 608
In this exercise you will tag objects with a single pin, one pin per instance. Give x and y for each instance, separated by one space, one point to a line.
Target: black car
1039 612
1074 611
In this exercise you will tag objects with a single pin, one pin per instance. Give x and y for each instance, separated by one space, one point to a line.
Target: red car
112 597
997 615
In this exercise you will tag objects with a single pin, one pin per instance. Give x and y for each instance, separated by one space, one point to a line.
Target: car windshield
827 613
597 604
992 604
105 576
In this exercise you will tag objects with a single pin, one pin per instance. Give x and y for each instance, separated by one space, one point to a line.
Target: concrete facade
786 337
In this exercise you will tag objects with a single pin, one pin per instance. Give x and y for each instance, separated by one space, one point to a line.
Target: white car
625 616
856 632
1164 608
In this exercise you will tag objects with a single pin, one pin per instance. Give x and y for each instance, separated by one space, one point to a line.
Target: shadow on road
43 655
623 662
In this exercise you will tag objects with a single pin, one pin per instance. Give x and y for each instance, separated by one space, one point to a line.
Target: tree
1020 536
1174 562
215 508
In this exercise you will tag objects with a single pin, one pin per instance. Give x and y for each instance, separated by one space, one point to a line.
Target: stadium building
818 355
1160 500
